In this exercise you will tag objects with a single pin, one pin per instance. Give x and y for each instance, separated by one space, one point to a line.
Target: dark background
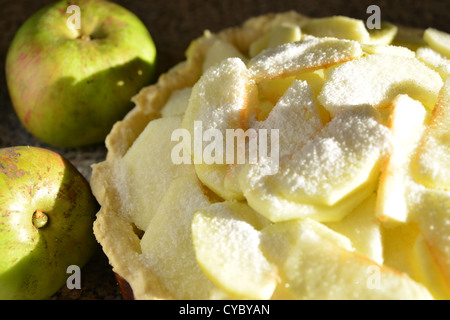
173 24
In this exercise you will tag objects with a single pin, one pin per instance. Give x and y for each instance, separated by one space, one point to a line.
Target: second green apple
46 216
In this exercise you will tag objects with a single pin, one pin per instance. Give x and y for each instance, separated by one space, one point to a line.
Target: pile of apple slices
357 205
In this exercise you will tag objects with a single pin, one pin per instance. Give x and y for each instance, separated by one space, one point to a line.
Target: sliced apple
218 51
406 250
263 109
218 103
283 33
147 164
278 34
438 40
388 49
426 270
407 124
258 45
315 79
177 103
340 165
384 35
337 161
425 252
376 80
166 245
431 165
296 119
338 27
430 210
398 244
226 241
435 61
306 55
296 116
362 227
264 199
314 265
273 90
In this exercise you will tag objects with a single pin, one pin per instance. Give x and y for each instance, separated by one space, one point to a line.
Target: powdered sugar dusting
346 150
305 55
296 116
376 80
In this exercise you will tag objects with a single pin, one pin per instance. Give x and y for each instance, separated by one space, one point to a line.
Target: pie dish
357 206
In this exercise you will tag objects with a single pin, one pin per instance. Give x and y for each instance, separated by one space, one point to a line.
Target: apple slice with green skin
376 80
46 217
315 263
438 40
431 164
167 245
69 86
226 242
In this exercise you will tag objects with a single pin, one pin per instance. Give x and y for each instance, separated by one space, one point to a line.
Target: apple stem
85 37
40 219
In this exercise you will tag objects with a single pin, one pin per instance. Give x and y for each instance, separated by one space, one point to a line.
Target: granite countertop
173 24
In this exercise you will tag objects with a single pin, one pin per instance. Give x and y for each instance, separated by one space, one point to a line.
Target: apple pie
289 157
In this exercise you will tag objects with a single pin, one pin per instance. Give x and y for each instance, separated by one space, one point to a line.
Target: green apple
46 216
69 86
